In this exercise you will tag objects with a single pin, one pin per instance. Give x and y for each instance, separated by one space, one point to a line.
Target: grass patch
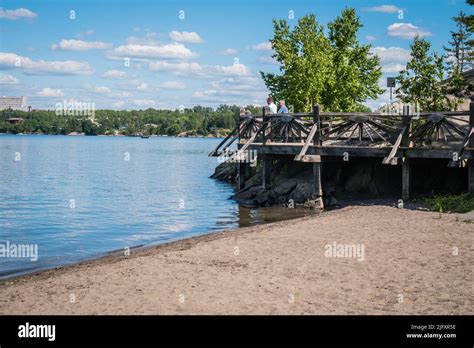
453 204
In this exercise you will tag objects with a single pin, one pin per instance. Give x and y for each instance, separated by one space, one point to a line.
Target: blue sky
135 54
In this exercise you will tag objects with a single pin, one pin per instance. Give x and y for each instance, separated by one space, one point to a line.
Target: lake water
81 197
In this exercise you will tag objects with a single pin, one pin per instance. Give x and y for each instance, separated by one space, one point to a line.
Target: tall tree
470 29
355 71
334 71
422 79
304 54
458 50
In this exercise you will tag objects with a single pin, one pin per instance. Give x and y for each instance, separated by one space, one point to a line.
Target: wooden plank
294 149
214 152
311 158
247 144
308 142
389 158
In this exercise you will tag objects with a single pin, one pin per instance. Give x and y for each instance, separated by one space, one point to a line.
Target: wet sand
413 263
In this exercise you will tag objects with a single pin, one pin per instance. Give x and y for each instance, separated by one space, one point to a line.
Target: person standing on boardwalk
283 108
271 105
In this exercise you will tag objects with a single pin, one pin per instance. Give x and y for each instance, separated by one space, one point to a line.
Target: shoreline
136 251
274 260
120 135
118 253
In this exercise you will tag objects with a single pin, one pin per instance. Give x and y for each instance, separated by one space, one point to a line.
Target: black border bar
224 330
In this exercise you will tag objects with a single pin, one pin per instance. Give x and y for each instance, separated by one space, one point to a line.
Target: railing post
470 145
238 118
317 120
317 166
264 120
406 173
267 160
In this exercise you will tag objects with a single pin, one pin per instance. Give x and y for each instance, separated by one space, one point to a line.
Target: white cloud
173 50
393 59
263 46
17 14
205 93
119 104
49 92
406 31
195 69
80 45
383 9
185 36
229 51
393 68
143 87
122 94
391 54
180 68
7 79
114 74
101 90
38 67
173 85
135 85
148 103
148 38
86 33
370 38
232 70
232 90
239 84
268 60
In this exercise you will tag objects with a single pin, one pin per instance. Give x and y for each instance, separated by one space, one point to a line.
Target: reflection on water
81 197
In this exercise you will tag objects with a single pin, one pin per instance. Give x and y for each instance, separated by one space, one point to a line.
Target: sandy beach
413 262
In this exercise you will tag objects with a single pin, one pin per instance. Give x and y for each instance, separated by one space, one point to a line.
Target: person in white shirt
271 105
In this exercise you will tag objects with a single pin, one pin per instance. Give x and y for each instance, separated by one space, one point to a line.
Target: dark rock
226 172
284 187
302 192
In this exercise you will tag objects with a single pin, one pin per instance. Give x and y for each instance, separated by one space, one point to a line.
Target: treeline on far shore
198 121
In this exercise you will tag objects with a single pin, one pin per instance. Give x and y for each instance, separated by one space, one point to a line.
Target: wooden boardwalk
319 137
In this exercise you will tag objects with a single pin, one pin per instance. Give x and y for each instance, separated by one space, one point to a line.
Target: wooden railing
397 131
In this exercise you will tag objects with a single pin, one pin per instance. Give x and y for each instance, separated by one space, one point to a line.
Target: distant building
14 103
15 120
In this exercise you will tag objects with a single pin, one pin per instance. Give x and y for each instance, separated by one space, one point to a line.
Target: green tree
305 63
457 53
422 80
334 71
470 29
355 70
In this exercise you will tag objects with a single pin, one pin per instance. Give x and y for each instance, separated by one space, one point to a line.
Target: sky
136 54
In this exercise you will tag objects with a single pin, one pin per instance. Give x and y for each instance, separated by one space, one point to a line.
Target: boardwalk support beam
243 168
267 172
405 141
317 166
471 146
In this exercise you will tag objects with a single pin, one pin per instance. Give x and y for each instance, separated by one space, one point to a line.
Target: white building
15 103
